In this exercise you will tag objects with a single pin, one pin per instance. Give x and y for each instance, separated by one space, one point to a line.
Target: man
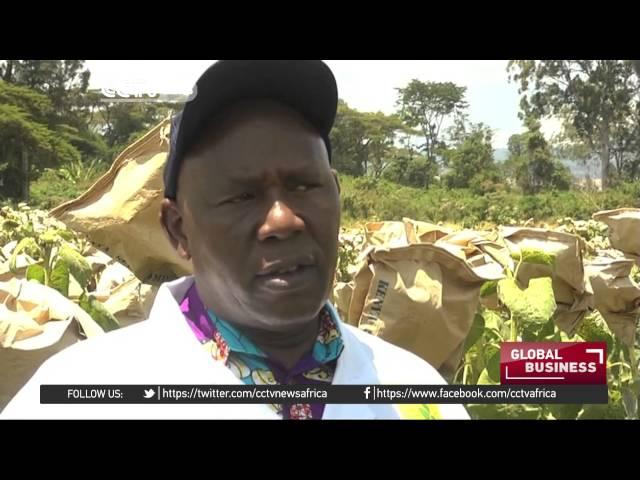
251 200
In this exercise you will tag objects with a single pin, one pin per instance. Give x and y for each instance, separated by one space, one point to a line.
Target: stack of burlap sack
617 296
417 285
34 316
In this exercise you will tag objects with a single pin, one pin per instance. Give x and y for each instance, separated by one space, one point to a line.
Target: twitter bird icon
149 393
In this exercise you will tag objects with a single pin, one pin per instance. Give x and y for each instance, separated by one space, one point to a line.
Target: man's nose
281 222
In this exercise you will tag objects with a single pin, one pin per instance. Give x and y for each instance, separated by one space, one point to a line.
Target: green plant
58 253
635 273
527 314
51 189
350 245
593 233
23 221
79 172
365 198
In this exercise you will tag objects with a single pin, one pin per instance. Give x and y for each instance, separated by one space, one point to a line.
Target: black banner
344 394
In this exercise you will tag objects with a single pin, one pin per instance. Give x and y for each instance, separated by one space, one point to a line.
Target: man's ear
172 222
334 172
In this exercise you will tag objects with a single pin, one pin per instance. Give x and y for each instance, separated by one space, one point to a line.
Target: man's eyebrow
242 180
289 172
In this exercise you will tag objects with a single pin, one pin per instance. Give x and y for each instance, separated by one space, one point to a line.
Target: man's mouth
282 270
287 274
286 265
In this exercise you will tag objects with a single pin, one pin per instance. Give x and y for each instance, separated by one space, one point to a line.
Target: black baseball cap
306 86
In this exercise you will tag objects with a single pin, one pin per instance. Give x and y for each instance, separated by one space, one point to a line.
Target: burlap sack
123 295
341 299
130 302
423 232
486 257
22 263
48 324
419 297
386 234
472 246
624 229
616 295
30 309
400 234
120 212
572 291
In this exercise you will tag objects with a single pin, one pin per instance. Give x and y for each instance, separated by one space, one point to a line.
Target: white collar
354 366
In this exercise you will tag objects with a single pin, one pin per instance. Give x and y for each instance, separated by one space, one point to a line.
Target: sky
367 85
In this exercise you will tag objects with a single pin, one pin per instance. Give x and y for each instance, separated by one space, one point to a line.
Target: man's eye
303 187
241 198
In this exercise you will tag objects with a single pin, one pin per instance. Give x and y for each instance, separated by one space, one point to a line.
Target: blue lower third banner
345 394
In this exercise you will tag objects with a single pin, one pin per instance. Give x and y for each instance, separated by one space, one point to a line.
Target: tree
26 141
411 168
6 70
347 141
381 132
363 143
65 83
625 148
594 96
49 118
122 123
470 161
531 162
457 133
426 105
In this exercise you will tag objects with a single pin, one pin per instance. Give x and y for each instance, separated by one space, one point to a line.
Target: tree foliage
532 164
470 158
26 140
363 143
425 106
50 119
595 97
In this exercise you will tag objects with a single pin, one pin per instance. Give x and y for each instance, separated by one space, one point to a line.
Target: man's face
258 211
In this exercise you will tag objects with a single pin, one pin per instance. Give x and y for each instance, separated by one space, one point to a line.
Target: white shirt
164 350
